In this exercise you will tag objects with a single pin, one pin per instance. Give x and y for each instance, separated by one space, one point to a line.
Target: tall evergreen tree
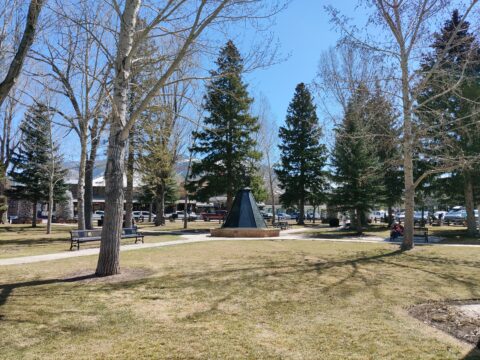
30 173
358 171
303 157
385 135
226 144
453 131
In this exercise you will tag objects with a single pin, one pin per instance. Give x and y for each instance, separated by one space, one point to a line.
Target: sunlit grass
22 240
243 299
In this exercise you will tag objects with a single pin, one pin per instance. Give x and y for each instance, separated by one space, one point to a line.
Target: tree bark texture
108 260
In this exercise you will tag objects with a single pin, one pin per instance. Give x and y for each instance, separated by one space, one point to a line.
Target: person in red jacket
397 230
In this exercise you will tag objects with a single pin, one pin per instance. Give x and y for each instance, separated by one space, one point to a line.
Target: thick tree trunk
34 214
313 219
150 210
129 189
89 194
390 215
50 209
81 184
469 205
108 260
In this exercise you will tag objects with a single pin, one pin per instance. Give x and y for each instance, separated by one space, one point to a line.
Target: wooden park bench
80 236
283 225
421 231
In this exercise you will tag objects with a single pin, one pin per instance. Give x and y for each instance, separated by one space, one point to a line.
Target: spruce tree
303 157
453 131
385 135
226 144
357 170
31 162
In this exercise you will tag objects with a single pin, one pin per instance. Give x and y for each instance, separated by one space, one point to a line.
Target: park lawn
450 234
324 231
23 240
238 299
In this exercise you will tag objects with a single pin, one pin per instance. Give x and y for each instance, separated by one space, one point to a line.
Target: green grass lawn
238 299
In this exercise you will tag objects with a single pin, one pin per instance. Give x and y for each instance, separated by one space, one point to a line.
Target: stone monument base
245 232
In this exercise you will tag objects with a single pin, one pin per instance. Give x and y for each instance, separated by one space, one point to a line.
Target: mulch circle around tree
460 319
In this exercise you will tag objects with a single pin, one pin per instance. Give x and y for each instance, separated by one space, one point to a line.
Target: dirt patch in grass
460 319
126 274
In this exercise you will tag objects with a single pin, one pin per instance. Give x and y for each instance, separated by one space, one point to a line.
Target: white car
143 215
97 215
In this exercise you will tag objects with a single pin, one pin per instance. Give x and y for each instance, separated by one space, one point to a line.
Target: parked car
266 215
283 216
180 215
457 217
97 215
217 215
143 215
294 215
378 215
417 216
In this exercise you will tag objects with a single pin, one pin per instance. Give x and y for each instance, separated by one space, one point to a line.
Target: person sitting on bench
397 230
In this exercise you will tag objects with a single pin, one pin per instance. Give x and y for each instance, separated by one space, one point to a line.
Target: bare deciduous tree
409 27
183 22
80 70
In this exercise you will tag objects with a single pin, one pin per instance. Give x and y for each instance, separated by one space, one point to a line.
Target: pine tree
453 130
357 169
385 137
226 144
303 157
30 174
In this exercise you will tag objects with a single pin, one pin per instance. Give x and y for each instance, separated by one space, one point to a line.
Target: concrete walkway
293 234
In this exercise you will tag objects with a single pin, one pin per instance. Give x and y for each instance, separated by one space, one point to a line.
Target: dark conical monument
244 219
244 212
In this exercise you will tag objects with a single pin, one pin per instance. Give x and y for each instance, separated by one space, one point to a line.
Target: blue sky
304 31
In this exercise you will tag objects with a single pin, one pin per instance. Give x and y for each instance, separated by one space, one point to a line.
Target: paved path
294 234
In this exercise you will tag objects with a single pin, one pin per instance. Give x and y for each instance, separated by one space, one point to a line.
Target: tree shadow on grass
474 354
7 289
